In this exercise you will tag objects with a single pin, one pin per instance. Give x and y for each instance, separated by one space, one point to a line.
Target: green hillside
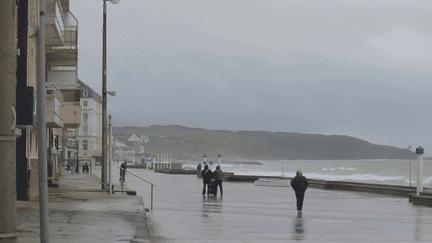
186 143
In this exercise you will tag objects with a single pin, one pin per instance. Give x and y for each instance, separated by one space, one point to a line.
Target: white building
90 132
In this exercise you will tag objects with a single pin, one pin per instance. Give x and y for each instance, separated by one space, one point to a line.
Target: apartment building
63 109
89 135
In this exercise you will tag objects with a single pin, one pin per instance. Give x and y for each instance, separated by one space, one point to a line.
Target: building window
85 103
85 117
85 145
85 93
85 130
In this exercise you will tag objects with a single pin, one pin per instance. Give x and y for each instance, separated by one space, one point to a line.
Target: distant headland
185 143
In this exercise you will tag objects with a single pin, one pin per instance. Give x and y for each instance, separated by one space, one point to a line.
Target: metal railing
142 180
55 90
58 12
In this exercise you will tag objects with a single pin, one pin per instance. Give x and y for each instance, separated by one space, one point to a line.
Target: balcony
54 23
54 105
61 35
71 114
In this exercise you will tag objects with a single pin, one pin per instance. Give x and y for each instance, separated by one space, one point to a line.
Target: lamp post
104 98
409 148
110 156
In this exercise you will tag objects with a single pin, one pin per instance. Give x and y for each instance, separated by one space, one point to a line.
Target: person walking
77 163
207 176
299 184
218 174
199 170
123 169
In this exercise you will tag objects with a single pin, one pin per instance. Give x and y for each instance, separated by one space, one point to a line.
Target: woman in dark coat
207 176
299 184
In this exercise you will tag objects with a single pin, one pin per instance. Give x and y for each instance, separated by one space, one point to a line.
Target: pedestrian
199 170
207 176
87 167
123 169
76 165
218 174
299 184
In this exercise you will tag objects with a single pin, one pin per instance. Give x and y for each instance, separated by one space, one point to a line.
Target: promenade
249 213
79 211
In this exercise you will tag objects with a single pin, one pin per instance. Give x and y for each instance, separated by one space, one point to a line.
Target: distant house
119 144
134 138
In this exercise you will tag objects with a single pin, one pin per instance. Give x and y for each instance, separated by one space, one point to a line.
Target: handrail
143 180
136 176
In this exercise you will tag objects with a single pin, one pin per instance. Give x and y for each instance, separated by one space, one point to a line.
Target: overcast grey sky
359 68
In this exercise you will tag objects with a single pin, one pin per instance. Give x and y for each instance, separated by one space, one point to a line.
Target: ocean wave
353 177
194 166
340 168
427 180
356 177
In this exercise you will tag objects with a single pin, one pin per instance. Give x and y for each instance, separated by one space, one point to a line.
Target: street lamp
409 148
110 155
104 97
112 93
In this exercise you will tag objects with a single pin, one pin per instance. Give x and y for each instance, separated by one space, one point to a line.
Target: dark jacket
124 167
218 174
207 176
299 184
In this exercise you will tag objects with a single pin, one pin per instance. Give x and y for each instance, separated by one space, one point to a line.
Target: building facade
63 109
90 132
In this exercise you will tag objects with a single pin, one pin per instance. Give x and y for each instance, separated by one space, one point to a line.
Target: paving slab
79 211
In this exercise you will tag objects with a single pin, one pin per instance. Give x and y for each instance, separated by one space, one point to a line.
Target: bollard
420 152
152 197
419 175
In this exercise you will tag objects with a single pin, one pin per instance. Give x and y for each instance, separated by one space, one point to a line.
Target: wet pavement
248 213
79 211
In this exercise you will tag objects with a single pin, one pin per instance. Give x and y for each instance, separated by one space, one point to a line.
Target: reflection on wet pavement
249 213
298 229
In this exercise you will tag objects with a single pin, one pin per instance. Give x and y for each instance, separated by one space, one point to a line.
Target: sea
389 172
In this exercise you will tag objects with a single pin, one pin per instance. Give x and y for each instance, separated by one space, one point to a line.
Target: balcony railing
71 30
54 105
52 89
54 23
59 20
71 114
61 28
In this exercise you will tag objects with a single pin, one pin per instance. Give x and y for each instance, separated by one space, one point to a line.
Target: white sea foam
353 177
340 168
194 166
427 180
